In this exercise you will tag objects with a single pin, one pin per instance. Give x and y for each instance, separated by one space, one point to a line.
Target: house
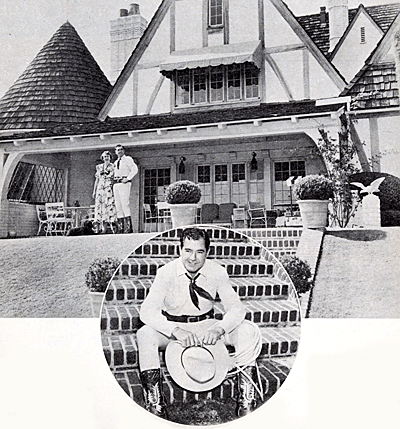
241 110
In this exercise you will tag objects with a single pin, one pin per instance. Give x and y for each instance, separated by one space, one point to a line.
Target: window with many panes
215 13
36 184
256 186
154 184
224 183
221 184
204 181
211 85
284 170
239 185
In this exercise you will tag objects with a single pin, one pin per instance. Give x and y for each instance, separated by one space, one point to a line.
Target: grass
358 275
45 276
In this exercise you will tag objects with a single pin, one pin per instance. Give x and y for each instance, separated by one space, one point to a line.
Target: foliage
100 272
313 187
183 192
389 189
299 271
340 158
390 218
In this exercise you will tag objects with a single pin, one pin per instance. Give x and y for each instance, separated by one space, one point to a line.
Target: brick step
263 312
235 267
136 289
273 372
170 248
215 233
121 351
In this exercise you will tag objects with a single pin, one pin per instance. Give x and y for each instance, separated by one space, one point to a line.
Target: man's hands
213 335
187 338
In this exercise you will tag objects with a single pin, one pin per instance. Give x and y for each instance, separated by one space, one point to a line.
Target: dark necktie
118 162
195 290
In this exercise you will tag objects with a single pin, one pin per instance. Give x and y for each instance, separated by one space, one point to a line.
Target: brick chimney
338 20
125 33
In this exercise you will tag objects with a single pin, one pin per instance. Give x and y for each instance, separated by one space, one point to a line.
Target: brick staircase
256 276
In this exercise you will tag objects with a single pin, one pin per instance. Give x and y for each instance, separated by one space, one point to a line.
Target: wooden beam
285 48
311 46
135 57
306 74
154 94
279 75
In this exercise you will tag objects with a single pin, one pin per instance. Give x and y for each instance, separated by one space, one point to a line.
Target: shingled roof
383 15
374 86
167 120
62 84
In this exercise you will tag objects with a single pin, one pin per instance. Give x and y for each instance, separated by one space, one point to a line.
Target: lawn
358 275
45 276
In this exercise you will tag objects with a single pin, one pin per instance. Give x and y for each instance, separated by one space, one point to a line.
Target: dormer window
362 35
215 74
211 85
215 13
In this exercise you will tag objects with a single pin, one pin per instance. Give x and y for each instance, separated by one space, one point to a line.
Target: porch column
7 167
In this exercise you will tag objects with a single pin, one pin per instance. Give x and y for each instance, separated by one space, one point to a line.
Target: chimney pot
134 9
123 12
323 15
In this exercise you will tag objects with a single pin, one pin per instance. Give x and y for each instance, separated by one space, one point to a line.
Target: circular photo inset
200 325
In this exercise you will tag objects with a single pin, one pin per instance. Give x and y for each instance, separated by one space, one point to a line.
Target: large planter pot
183 214
314 213
96 299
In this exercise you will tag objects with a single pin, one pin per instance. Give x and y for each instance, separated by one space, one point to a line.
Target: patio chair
149 219
257 217
42 218
164 220
209 212
239 218
57 221
271 216
225 213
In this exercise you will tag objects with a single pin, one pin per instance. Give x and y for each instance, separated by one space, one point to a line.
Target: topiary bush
299 271
313 187
389 189
389 195
183 192
100 272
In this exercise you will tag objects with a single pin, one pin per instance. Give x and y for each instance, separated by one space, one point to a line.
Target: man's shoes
120 225
128 225
152 390
246 399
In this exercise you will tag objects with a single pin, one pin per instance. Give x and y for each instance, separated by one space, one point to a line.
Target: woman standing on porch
105 211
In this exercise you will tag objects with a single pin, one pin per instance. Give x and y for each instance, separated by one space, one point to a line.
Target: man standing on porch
125 170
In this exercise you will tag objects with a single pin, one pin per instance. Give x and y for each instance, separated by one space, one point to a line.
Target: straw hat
197 368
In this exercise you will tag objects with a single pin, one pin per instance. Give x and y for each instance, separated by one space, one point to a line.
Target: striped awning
213 56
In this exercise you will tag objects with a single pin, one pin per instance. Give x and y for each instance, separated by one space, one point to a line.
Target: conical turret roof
63 84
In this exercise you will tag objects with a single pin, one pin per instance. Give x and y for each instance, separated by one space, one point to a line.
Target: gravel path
45 276
358 275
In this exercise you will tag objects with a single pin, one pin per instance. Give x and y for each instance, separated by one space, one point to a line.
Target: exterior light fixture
253 162
181 168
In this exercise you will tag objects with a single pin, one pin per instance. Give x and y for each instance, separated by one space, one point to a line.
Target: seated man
180 305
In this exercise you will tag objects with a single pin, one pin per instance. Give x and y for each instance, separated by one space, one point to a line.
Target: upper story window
362 35
215 13
211 85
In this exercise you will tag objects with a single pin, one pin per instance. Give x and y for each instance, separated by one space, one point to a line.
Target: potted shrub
299 271
182 197
97 277
313 194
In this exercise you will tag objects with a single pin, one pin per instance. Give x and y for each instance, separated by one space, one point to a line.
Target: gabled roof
62 84
382 15
376 84
155 22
